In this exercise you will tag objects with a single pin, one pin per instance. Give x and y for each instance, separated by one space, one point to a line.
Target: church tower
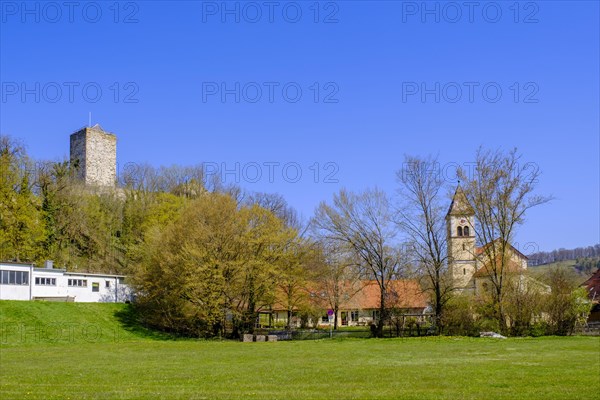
94 151
460 225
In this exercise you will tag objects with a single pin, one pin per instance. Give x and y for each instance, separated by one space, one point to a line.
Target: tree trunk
382 315
335 317
438 311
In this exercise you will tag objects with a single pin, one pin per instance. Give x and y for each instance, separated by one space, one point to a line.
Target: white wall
13 291
116 290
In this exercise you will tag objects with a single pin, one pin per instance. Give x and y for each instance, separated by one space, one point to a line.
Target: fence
591 329
315 334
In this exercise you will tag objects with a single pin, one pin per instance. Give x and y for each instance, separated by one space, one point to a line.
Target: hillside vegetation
579 270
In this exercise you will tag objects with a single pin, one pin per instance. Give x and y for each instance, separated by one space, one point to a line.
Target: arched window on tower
466 231
459 231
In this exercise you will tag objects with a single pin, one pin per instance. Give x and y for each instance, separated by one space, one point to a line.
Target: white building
26 282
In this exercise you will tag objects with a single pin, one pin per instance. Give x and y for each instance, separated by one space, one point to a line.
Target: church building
469 266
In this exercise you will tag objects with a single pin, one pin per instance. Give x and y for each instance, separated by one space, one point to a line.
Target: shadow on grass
131 322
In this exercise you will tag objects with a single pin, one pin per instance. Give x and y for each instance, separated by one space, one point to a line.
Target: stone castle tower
94 151
460 225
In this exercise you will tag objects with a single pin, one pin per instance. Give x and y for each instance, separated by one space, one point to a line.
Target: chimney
48 264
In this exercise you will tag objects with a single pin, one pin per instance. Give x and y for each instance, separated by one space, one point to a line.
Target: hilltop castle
94 152
469 266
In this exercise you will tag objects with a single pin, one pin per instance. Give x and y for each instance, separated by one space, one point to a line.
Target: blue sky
343 88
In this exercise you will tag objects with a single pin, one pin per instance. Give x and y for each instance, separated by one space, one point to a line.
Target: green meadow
98 351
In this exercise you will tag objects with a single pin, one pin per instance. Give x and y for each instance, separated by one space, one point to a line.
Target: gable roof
364 295
481 250
460 204
593 285
487 269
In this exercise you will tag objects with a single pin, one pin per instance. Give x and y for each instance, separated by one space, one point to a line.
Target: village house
20 281
592 286
358 303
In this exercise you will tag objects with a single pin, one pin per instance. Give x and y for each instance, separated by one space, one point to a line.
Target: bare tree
277 204
421 217
363 224
500 189
338 279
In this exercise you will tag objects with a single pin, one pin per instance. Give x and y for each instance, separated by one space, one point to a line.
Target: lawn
109 359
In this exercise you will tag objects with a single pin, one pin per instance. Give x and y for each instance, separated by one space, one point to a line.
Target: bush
459 316
567 306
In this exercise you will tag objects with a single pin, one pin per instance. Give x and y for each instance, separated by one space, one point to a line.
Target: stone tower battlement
94 152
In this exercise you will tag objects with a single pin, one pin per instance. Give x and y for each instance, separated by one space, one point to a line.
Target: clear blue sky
370 61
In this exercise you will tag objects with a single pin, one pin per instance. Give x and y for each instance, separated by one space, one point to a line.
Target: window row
45 281
14 277
462 231
22 278
78 282
344 316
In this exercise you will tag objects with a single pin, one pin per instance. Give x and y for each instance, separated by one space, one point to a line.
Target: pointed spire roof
460 204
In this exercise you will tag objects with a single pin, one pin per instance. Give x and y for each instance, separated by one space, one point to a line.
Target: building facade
26 282
358 303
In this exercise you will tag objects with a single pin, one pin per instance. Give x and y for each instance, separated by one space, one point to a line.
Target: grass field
62 351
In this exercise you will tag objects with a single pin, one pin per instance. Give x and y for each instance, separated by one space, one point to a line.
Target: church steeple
460 223
460 204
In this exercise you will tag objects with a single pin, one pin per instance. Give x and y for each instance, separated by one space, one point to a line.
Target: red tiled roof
364 295
488 269
481 250
401 294
593 285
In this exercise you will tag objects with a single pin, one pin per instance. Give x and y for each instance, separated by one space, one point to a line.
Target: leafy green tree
264 245
213 268
21 224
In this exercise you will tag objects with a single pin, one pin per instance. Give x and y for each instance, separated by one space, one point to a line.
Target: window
375 315
95 286
78 282
344 318
45 281
107 284
464 271
459 231
464 247
354 316
14 277
325 318
466 231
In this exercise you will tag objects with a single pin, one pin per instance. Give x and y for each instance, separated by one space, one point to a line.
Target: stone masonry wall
96 151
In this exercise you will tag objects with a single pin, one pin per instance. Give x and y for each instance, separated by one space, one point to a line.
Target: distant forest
546 257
